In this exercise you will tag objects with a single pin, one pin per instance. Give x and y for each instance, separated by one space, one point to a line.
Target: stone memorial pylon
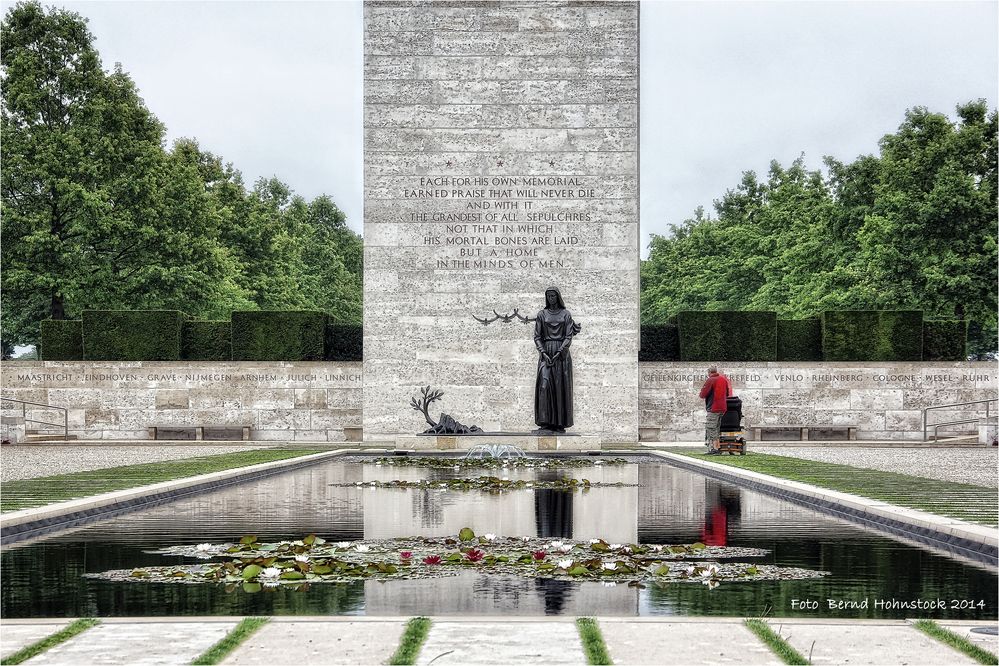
500 158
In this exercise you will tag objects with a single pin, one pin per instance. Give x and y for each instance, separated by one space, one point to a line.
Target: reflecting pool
872 575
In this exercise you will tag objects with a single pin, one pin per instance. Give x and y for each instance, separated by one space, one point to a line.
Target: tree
913 227
95 212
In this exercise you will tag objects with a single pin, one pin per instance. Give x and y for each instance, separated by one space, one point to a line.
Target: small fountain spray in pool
495 451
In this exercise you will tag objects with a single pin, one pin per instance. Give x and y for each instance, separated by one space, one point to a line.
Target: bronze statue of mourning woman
553 333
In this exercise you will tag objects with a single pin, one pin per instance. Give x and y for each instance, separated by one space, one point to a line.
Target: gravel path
26 462
963 465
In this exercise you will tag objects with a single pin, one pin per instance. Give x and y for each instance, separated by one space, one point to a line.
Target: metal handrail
24 414
936 426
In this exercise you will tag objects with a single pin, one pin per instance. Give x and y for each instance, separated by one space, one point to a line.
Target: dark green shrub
344 342
660 342
61 340
799 340
945 340
132 335
727 336
872 335
278 335
206 341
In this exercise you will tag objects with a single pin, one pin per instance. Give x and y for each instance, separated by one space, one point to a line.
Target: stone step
334 643
479 643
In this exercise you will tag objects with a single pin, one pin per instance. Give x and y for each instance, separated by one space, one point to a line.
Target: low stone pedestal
525 441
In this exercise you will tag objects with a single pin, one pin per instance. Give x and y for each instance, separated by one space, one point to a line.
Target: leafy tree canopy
98 214
913 227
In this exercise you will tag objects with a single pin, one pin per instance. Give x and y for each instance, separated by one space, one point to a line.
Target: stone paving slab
145 643
873 644
14 637
30 461
684 643
988 642
475 643
319 643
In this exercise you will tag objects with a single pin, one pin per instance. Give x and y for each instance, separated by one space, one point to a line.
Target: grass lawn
976 504
28 493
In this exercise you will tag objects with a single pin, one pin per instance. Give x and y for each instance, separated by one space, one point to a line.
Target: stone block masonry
317 401
500 158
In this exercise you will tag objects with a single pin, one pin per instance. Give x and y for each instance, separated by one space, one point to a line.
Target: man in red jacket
715 393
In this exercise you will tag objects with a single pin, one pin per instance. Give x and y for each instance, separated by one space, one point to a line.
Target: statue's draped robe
553 331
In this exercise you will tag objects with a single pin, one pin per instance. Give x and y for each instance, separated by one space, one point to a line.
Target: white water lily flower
343 544
710 572
270 583
488 537
564 548
555 545
594 541
608 583
712 584
610 566
598 462
658 548
202 547
361 548
526 538
564 564
301 558
615 546
270 572
689 570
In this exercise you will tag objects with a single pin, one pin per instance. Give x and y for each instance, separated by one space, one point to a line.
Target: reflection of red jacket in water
715 531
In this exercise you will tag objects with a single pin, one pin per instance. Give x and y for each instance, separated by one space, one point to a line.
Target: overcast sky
275 87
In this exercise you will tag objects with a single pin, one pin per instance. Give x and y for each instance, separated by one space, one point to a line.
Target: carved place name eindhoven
502 225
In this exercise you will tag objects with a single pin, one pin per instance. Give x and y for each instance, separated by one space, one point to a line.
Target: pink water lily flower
539 555
474 555
432 559
406 554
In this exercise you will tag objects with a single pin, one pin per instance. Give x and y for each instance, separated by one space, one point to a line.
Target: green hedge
344 342
660 342
278 335
799 340
872 335
206 341
727 336
61 340
124 335
945 340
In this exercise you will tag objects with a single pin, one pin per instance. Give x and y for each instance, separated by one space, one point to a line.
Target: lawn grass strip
956 641
29 493
775 642
593 641
61 636
246 628
946 498
411 642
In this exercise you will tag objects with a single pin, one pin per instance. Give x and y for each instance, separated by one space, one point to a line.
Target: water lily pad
466 534
251 571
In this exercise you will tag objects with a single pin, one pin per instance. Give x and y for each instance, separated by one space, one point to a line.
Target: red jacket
715 393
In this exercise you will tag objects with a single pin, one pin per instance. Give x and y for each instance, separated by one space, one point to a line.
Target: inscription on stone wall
499 222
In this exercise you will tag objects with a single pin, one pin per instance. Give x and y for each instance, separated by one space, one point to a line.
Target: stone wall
286 401
500 158
883 400
315 401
